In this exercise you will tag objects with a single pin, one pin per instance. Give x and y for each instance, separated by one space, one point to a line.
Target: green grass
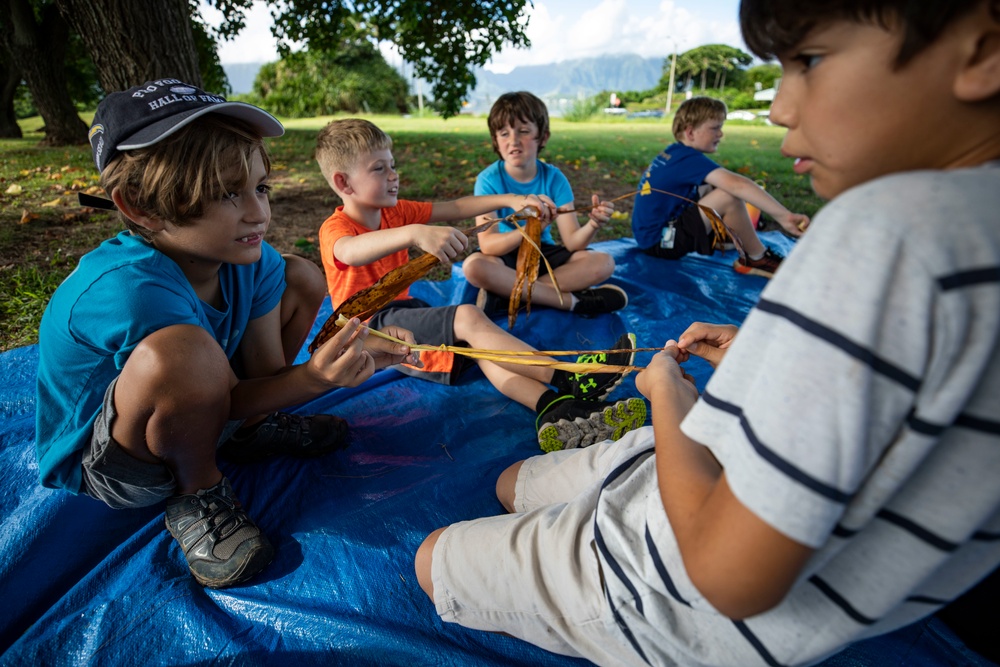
43 231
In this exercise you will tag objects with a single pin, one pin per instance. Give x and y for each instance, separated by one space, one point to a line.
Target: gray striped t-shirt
858 413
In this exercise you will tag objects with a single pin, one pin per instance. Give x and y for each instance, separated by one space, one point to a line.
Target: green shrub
586 108
320 83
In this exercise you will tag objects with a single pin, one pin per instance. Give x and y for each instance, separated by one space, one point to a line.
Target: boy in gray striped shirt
837 479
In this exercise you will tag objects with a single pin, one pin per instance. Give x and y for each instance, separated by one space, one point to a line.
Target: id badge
667 239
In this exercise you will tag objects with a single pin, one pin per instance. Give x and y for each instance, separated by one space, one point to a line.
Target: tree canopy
443 41
709 62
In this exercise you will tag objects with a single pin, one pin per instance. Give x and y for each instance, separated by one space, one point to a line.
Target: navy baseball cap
143 115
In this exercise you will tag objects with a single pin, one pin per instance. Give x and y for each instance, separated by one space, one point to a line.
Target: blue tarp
83 584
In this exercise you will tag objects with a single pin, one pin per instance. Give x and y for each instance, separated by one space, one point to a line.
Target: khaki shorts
112 475
535 574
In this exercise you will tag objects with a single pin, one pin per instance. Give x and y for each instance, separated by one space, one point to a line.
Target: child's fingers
347 335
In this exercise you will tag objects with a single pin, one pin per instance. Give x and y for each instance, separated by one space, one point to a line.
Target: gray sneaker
221 544
572 422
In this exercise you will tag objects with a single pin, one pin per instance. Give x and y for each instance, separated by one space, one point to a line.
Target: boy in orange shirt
371 234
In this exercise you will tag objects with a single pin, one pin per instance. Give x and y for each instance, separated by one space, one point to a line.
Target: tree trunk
38 51
10 79
151 39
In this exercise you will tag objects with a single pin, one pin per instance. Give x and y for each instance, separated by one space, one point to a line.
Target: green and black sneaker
572 422
597 386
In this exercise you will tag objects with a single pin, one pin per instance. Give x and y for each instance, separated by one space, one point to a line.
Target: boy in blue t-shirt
670 227
179 334
519 128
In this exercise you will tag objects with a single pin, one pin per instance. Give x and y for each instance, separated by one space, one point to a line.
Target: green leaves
443 41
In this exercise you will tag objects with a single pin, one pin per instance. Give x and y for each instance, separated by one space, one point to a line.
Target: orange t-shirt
345 281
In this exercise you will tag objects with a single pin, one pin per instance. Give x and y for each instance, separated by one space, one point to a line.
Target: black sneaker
600 299
765 266
289 435
572 422
221 544
596 386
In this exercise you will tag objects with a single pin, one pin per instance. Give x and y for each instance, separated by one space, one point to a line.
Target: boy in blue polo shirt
670 227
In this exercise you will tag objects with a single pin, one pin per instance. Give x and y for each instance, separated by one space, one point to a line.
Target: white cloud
254 44
559 31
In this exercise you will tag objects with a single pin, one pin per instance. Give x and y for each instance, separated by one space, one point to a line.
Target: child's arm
477 205
498 243
739 563
445 243
743 188
342 361
576 237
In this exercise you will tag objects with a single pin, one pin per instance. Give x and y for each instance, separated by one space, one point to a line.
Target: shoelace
217 503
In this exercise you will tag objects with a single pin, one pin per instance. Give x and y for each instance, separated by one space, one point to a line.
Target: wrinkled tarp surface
82 584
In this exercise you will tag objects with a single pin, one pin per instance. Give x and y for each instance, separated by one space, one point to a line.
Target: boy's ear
544 139
134 214
979 78
340 182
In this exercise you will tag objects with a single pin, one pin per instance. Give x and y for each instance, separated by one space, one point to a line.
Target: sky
559 30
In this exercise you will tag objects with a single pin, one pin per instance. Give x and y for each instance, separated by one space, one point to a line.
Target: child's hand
794 223
342 361
601 213
445 243
542 203
664 370
708 341
387 353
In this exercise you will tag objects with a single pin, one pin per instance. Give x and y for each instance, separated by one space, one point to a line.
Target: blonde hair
342 142
174 179
695 111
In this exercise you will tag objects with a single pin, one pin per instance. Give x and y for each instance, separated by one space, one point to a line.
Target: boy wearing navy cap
176 338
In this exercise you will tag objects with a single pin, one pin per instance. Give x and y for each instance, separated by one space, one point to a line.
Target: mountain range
559 84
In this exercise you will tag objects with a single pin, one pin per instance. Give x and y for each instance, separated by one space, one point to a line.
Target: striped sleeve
876 331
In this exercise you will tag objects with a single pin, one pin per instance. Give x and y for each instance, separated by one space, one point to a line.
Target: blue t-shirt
678 169
121 292
548 181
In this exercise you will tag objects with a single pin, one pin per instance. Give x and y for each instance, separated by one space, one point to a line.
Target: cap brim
265 124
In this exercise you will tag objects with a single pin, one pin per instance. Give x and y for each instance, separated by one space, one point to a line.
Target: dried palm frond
540 358
370 300
528 257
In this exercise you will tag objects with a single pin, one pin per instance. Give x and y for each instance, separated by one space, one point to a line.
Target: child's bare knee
469 318
304 279
423 560
506 485
604 265
179 361
478 268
